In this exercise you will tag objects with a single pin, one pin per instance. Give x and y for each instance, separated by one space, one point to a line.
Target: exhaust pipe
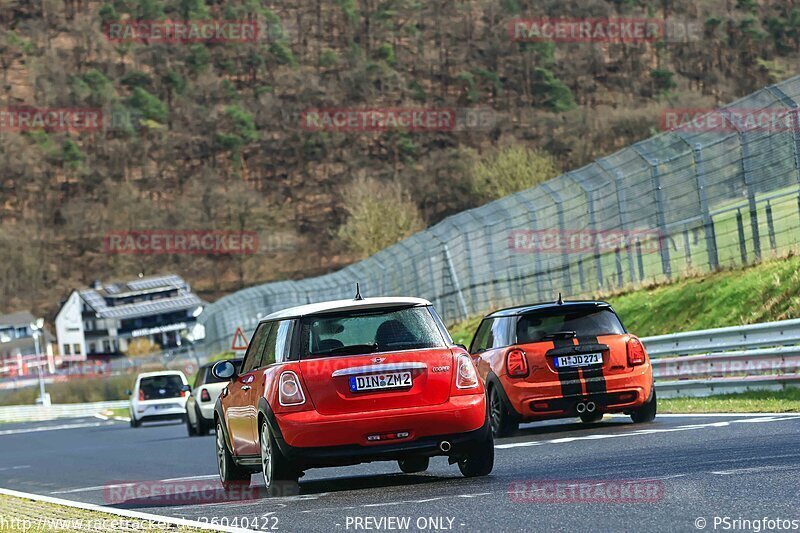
590 407
445 446
581 407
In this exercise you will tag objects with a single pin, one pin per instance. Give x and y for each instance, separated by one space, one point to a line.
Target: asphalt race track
692 468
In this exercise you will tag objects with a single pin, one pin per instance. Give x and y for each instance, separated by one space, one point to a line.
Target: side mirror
224 370
186 388
128 392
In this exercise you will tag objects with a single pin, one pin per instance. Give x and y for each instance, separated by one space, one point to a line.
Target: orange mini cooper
561 359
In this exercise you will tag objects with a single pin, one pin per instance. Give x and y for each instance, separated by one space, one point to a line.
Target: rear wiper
560 335
353 348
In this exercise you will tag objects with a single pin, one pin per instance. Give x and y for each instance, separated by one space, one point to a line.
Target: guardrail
734 359
781 333
38 413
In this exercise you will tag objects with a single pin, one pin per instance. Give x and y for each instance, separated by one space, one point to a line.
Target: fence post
687 249
622 205
639 260
771 228
751 194
454 278
593 225
561 227
473 284
537 258
740 231
618 261
708 220
666 267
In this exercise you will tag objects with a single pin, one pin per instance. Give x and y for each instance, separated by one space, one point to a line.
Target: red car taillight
466 377
205 396
517 364
289 390
141 395
636 353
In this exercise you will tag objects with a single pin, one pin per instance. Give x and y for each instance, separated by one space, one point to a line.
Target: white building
104 319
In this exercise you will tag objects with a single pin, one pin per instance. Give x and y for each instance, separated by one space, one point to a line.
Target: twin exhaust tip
587 407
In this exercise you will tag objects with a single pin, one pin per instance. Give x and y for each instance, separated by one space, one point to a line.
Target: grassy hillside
761 293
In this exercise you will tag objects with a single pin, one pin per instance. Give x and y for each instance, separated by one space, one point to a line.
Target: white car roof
346 305
162 373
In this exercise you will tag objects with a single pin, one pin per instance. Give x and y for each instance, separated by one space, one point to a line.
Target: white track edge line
121 512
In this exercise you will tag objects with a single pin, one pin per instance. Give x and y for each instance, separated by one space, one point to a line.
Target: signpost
239 340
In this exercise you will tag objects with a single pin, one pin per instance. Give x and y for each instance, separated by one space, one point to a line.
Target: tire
203 427
280 478
190 429
135 423
503 422
230 474
591 418
647 412
412 465
479 459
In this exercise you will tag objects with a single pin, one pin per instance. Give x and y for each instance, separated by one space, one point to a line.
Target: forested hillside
208 135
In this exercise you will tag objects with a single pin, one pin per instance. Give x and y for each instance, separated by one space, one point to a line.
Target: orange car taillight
517 364
141 395
636 353
289 390
466 377
205 396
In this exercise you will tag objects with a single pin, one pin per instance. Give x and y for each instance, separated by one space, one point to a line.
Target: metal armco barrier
37 413
782 333
713 361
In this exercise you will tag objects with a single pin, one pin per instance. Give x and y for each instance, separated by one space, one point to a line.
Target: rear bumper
206 410
161 416
152 410
324 456
623 392
311 439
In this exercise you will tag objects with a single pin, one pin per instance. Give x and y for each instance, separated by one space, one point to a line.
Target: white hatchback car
200 404
159 396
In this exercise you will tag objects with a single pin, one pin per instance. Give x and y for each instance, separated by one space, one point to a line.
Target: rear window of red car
381 330
586 322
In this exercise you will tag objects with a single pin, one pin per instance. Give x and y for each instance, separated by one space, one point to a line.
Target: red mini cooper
347 382
561 359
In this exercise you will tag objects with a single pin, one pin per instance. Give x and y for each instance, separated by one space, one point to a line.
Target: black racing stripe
570 379
593 378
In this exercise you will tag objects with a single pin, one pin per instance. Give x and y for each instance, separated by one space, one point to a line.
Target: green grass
761 293
785 401
121 412
77 390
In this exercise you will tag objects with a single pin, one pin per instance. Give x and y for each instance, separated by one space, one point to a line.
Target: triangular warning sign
239 340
